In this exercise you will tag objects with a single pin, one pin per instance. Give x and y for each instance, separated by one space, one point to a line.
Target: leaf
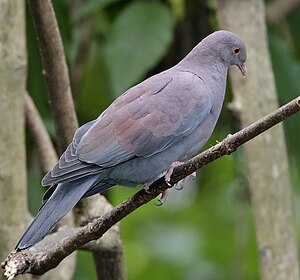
138 39
94 94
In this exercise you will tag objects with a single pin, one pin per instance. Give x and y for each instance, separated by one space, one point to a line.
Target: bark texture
13 218
254 97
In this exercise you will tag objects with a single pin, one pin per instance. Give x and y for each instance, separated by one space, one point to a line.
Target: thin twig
38 262
46 151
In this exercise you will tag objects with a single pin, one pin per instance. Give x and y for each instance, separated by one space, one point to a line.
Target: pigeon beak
243 69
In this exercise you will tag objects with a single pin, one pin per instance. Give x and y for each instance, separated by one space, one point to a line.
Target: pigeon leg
167 176
164 194
183 181
170 171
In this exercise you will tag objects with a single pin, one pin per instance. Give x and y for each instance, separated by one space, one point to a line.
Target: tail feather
99 188
62 200
96 188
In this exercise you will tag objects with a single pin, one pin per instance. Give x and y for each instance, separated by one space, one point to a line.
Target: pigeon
144 133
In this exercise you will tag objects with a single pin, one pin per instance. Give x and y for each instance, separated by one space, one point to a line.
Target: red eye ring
236 50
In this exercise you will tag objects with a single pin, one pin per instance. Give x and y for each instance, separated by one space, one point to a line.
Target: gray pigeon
165 119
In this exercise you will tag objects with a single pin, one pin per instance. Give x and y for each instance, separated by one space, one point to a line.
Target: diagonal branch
36 261
46 151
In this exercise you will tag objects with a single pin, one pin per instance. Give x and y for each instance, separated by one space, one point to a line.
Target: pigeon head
227 47
218 50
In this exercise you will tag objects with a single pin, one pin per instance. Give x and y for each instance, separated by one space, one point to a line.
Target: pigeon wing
147 119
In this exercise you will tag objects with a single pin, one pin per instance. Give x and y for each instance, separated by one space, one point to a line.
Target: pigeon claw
181 184
163 198
146 187
170 172
178 187
168 183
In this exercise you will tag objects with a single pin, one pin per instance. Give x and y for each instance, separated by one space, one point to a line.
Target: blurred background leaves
205 231
137 39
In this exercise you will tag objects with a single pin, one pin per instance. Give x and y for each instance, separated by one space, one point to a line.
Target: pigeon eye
236 50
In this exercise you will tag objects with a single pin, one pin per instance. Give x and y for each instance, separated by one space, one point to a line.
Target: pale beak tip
243 69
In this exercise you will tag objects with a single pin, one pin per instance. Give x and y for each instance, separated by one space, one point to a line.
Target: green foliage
94 88
206 230
287 72
93 5
293 23
85 269
138 38
35 85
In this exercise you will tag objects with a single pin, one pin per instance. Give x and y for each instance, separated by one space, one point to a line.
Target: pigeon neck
202 61
208 68
211 70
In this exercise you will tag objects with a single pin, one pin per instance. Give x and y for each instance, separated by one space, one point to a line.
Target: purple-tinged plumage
164 119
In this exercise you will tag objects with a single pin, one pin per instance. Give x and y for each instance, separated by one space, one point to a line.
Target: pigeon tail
63 199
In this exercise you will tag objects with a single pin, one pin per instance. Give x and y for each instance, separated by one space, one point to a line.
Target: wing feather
142 122
148 124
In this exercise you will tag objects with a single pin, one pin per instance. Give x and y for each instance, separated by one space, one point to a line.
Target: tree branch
108 251
55 71
46 151
38 262
58 83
